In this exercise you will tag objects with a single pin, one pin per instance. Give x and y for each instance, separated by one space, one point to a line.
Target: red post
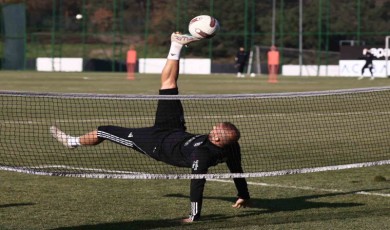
131 61
273 65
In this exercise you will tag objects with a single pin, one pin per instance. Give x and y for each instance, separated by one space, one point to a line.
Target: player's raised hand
241 203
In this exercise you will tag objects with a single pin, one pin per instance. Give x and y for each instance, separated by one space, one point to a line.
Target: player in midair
168 141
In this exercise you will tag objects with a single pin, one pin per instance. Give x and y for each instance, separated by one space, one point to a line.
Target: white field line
305 188
84 169
29 122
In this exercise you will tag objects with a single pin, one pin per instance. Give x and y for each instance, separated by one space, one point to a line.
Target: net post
387 54
250 62
254 66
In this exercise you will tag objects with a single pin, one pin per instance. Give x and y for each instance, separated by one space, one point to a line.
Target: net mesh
281 133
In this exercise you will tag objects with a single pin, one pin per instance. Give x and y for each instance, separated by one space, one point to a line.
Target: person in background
241 60
368 57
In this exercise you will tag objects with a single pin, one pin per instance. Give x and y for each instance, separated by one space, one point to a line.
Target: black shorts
169 118
367 65
169 114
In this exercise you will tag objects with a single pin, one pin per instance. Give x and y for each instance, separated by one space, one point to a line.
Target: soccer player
241 60
368 57
168 141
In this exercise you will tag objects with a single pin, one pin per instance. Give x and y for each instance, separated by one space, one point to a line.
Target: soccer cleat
61 137
360 78
183 39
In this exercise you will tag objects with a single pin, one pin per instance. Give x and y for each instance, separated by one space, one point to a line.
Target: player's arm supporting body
234 164
200 166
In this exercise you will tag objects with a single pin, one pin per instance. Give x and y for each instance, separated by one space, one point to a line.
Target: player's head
242 49
223 134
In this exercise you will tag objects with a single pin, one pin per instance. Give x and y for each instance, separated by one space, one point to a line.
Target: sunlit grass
327 200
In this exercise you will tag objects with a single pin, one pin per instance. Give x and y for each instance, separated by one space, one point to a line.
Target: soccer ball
79 16
203 26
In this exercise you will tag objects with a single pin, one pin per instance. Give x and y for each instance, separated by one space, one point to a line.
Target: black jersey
197 152
182 149
241 57
369 57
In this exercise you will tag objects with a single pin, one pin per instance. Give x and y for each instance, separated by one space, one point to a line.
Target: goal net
282 133
258 59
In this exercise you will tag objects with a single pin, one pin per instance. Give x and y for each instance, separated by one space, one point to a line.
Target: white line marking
125 119
306 188
82 169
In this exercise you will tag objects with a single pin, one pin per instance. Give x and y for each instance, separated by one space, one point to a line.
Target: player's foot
61 137
183 39
360 78
372 78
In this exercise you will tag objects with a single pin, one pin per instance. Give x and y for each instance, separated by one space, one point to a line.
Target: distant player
168 141
241 60
368 57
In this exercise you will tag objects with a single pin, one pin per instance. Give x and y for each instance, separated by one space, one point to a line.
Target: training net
281 133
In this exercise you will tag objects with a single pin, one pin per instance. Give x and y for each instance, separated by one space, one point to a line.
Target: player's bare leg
90 138
170 74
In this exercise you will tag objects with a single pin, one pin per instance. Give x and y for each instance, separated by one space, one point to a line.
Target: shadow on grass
136 224
257 208
15 205
286 204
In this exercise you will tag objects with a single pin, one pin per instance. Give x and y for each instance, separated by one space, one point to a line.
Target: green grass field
347 199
